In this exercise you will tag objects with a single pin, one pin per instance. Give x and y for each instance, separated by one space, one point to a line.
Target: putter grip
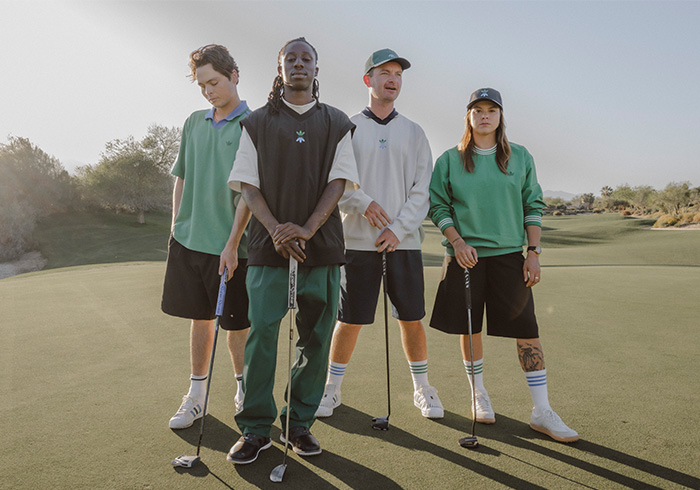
292 297
467 289
222 293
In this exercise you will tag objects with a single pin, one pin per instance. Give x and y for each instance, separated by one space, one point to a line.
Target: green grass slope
92 371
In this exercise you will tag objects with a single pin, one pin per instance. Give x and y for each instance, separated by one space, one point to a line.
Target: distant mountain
564 196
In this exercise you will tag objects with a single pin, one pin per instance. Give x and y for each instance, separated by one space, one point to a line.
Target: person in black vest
293 164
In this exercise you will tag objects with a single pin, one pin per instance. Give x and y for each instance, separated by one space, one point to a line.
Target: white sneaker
548 422
484 411
238 402
329 401
427 400
189 411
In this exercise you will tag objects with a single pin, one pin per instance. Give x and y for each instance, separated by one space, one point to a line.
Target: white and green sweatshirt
489 209
394 164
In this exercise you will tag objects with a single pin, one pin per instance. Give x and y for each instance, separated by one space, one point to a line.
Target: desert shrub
626 212
597 210
665 221
558 213
696 218
686 218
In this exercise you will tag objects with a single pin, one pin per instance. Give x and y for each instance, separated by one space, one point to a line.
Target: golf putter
186 461
277 473
382 423
470 442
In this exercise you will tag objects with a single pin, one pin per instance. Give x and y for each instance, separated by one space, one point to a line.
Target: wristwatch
537 249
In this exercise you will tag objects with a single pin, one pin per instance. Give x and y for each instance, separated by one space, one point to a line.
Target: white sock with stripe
537 382
419 373
198 387
478 375
336 372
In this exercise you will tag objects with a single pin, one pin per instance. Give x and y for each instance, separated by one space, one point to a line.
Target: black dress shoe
247 448
302 442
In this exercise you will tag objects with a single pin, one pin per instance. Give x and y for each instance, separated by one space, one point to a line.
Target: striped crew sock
419 373
478 374
537 382
336 372
198 387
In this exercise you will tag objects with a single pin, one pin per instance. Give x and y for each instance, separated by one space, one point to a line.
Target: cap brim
476 101
405 64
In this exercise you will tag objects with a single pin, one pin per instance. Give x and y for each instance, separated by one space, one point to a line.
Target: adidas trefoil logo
382 144
300 137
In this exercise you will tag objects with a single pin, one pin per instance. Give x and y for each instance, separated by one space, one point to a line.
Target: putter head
277 474
380 423
470 442
185 461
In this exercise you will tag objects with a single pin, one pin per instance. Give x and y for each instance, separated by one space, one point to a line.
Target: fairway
92 371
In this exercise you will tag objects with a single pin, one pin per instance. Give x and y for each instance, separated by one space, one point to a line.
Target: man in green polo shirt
209 228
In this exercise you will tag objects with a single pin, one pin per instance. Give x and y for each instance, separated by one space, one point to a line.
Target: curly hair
216 55
274 100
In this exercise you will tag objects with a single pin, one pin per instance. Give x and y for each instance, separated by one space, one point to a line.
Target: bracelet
453 242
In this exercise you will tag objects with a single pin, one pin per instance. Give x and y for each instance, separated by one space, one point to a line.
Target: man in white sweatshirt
384 214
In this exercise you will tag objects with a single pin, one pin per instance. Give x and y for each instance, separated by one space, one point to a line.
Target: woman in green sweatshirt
485 199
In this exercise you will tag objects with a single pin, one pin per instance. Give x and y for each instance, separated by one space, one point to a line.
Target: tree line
131 176
677 204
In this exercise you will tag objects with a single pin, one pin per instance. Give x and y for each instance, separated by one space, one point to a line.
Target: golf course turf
93 370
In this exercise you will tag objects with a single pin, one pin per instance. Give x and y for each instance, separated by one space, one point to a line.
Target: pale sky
601 93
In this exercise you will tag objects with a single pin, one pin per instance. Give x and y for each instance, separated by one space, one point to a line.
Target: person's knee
412 327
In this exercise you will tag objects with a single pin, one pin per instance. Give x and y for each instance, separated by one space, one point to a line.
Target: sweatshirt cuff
445 223
533 219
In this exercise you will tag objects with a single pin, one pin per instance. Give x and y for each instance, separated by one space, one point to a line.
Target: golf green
92 371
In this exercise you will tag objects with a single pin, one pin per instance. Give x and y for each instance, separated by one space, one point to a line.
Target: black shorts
191 288
360 279
496 282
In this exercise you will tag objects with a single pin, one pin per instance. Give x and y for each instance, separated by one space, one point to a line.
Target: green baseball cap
383 56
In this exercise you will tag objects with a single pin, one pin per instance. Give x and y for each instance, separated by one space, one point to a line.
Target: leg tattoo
530 355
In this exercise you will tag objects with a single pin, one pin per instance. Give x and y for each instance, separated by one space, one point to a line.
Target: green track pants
317 302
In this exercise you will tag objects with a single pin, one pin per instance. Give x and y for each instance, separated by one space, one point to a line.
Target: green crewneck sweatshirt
489 209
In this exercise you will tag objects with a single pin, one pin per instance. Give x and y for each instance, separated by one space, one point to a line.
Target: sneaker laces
483 404
429 398
187 405
553 420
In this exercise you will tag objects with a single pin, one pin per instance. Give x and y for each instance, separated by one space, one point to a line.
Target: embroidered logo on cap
300 138
484 93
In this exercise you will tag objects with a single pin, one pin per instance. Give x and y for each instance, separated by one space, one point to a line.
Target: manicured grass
100 237
93 370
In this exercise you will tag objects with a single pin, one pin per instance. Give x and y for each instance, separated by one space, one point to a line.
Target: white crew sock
198 387
336 372
478 375
419 373
537 382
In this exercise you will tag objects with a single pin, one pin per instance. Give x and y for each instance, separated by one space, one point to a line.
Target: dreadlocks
275 98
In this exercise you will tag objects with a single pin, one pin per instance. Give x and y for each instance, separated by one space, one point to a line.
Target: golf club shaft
219 311
291 304
468 295
386 332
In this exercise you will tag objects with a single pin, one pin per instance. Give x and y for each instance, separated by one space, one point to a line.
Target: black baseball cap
384 56
485 94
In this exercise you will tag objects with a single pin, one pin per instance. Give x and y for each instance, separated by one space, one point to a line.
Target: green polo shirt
208 205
